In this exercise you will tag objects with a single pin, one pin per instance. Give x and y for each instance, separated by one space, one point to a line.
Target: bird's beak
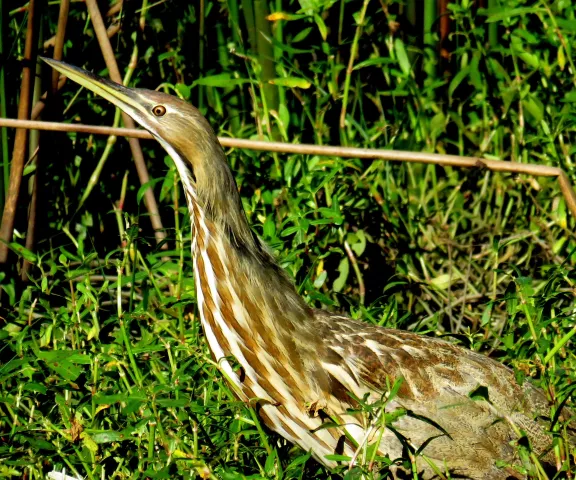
124 98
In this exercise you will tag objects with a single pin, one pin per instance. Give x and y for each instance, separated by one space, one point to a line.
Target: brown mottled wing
438 378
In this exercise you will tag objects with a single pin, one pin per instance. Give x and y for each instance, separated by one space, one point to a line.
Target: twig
333 151
21 137
108 54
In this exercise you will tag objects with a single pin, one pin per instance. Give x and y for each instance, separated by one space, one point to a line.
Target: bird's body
302 366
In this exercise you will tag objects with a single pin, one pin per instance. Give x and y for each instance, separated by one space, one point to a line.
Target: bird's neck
235 274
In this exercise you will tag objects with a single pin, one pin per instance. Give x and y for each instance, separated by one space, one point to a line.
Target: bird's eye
159 110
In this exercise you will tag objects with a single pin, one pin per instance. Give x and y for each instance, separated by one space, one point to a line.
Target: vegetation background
104 371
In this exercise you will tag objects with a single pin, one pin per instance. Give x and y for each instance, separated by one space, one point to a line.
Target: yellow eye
159 110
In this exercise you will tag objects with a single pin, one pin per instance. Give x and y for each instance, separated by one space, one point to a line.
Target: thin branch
109 58
332 151
21 137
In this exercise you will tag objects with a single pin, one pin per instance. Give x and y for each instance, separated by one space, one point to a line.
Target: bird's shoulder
430 368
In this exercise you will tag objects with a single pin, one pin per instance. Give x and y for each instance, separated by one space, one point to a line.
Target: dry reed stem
333 151
21 137
137 154
54 87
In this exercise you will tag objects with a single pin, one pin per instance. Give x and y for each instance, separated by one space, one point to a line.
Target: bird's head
179 127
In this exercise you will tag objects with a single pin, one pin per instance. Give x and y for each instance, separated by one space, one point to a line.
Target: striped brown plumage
301 365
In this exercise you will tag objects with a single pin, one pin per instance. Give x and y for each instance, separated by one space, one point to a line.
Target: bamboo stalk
109 58
54 84
458 161
21 137
4 114
34 142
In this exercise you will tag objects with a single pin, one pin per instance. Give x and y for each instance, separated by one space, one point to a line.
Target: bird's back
466 433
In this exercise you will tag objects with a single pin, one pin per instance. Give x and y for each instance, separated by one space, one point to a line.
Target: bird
332 385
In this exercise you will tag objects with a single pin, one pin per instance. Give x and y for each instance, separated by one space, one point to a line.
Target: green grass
104 370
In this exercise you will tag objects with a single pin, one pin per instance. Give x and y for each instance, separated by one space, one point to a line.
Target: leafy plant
104 371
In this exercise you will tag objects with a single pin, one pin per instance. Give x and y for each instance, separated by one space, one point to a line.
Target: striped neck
245 299
249 311
249 308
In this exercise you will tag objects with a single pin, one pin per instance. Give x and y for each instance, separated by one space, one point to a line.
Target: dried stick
54 84
108 54
343 152
21 137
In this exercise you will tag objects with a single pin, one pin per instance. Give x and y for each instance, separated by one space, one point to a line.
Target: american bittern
302 364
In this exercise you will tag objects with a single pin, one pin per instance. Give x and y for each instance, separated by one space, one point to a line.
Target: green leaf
291 82
321 26
319 281
221 80
344 269
357 241
89 443
68 371
527 57
101 399
568 25
373 61
23 252
301 35
315 6
534 108
108 436
457 80
35 387
183 90
570 96
332 215
284 115
442 281
337 458
269 229
402 56
499 14
290 230
173 402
